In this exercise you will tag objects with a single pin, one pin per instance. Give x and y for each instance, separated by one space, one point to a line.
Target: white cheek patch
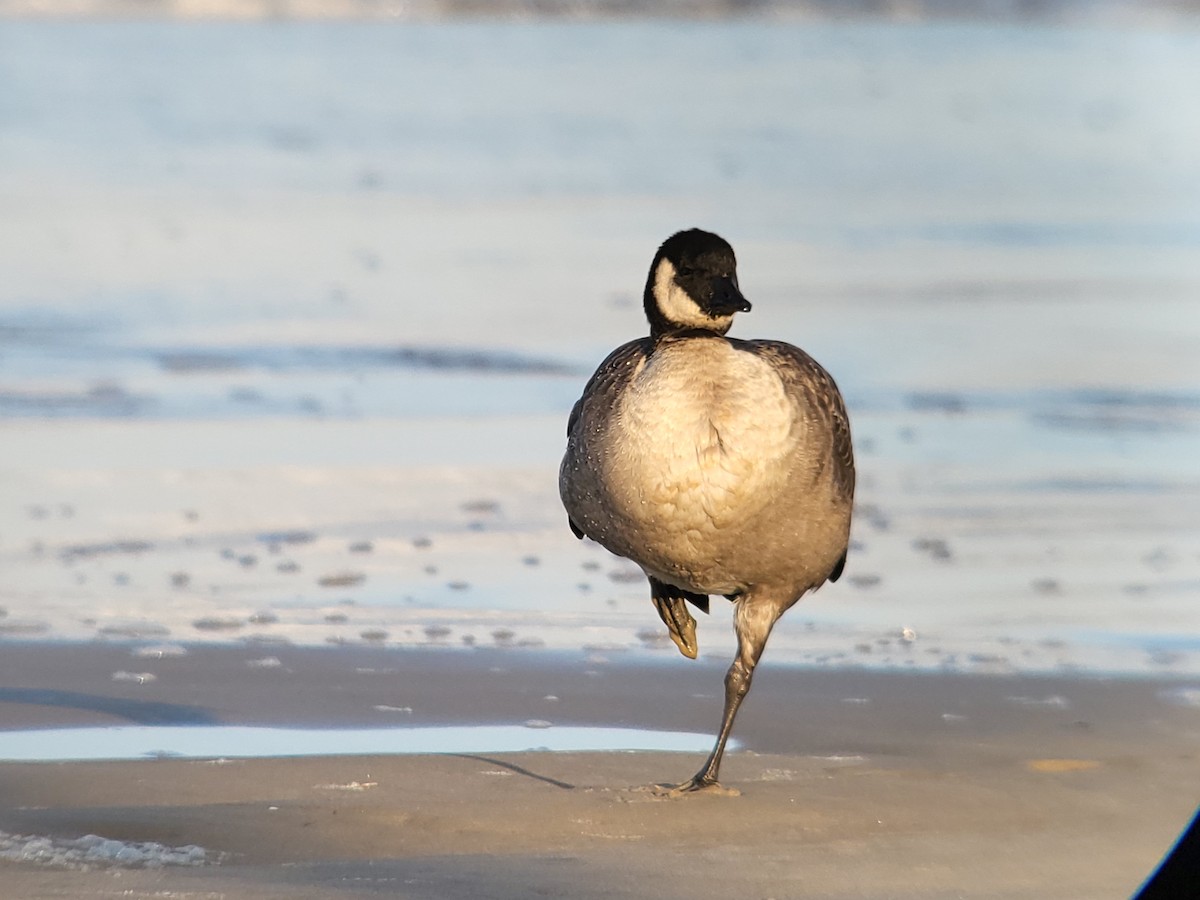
677 307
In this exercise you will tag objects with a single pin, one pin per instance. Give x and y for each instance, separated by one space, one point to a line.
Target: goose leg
753 622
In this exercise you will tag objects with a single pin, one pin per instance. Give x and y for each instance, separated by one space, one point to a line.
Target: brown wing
603 387
601 392
803 374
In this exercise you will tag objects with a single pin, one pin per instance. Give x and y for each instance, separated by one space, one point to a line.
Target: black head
693 285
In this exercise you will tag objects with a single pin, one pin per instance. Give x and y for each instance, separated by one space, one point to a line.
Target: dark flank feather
605 384
803 374
617 368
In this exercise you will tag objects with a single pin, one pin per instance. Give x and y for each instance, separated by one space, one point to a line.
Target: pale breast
704 436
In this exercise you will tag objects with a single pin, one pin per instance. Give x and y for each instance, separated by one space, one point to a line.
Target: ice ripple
92 850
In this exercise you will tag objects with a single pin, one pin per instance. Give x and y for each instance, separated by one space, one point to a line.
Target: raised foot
692 786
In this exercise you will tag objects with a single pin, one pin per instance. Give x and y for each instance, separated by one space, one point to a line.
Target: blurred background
297 295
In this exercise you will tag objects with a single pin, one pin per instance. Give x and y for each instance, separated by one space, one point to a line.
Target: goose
719 466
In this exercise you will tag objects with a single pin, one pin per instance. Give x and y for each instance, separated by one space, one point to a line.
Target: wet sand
853 783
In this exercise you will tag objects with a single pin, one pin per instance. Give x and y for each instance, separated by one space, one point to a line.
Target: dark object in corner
1178 876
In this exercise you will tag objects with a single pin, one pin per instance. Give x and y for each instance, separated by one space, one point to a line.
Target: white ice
94 851
238 742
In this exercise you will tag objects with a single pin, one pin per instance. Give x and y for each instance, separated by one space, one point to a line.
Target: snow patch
92 850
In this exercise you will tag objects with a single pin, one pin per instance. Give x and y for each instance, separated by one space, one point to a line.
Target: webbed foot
696 785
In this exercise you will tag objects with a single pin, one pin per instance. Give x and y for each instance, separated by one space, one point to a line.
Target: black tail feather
837 570
662 589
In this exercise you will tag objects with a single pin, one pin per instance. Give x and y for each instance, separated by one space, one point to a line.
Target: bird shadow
519 770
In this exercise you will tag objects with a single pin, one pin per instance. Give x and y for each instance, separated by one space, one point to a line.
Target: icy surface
236 742
93 851
287 347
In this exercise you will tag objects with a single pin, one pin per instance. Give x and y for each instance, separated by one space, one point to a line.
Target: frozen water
159 651
135 677
91 850
281 304
233 742
1054 701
